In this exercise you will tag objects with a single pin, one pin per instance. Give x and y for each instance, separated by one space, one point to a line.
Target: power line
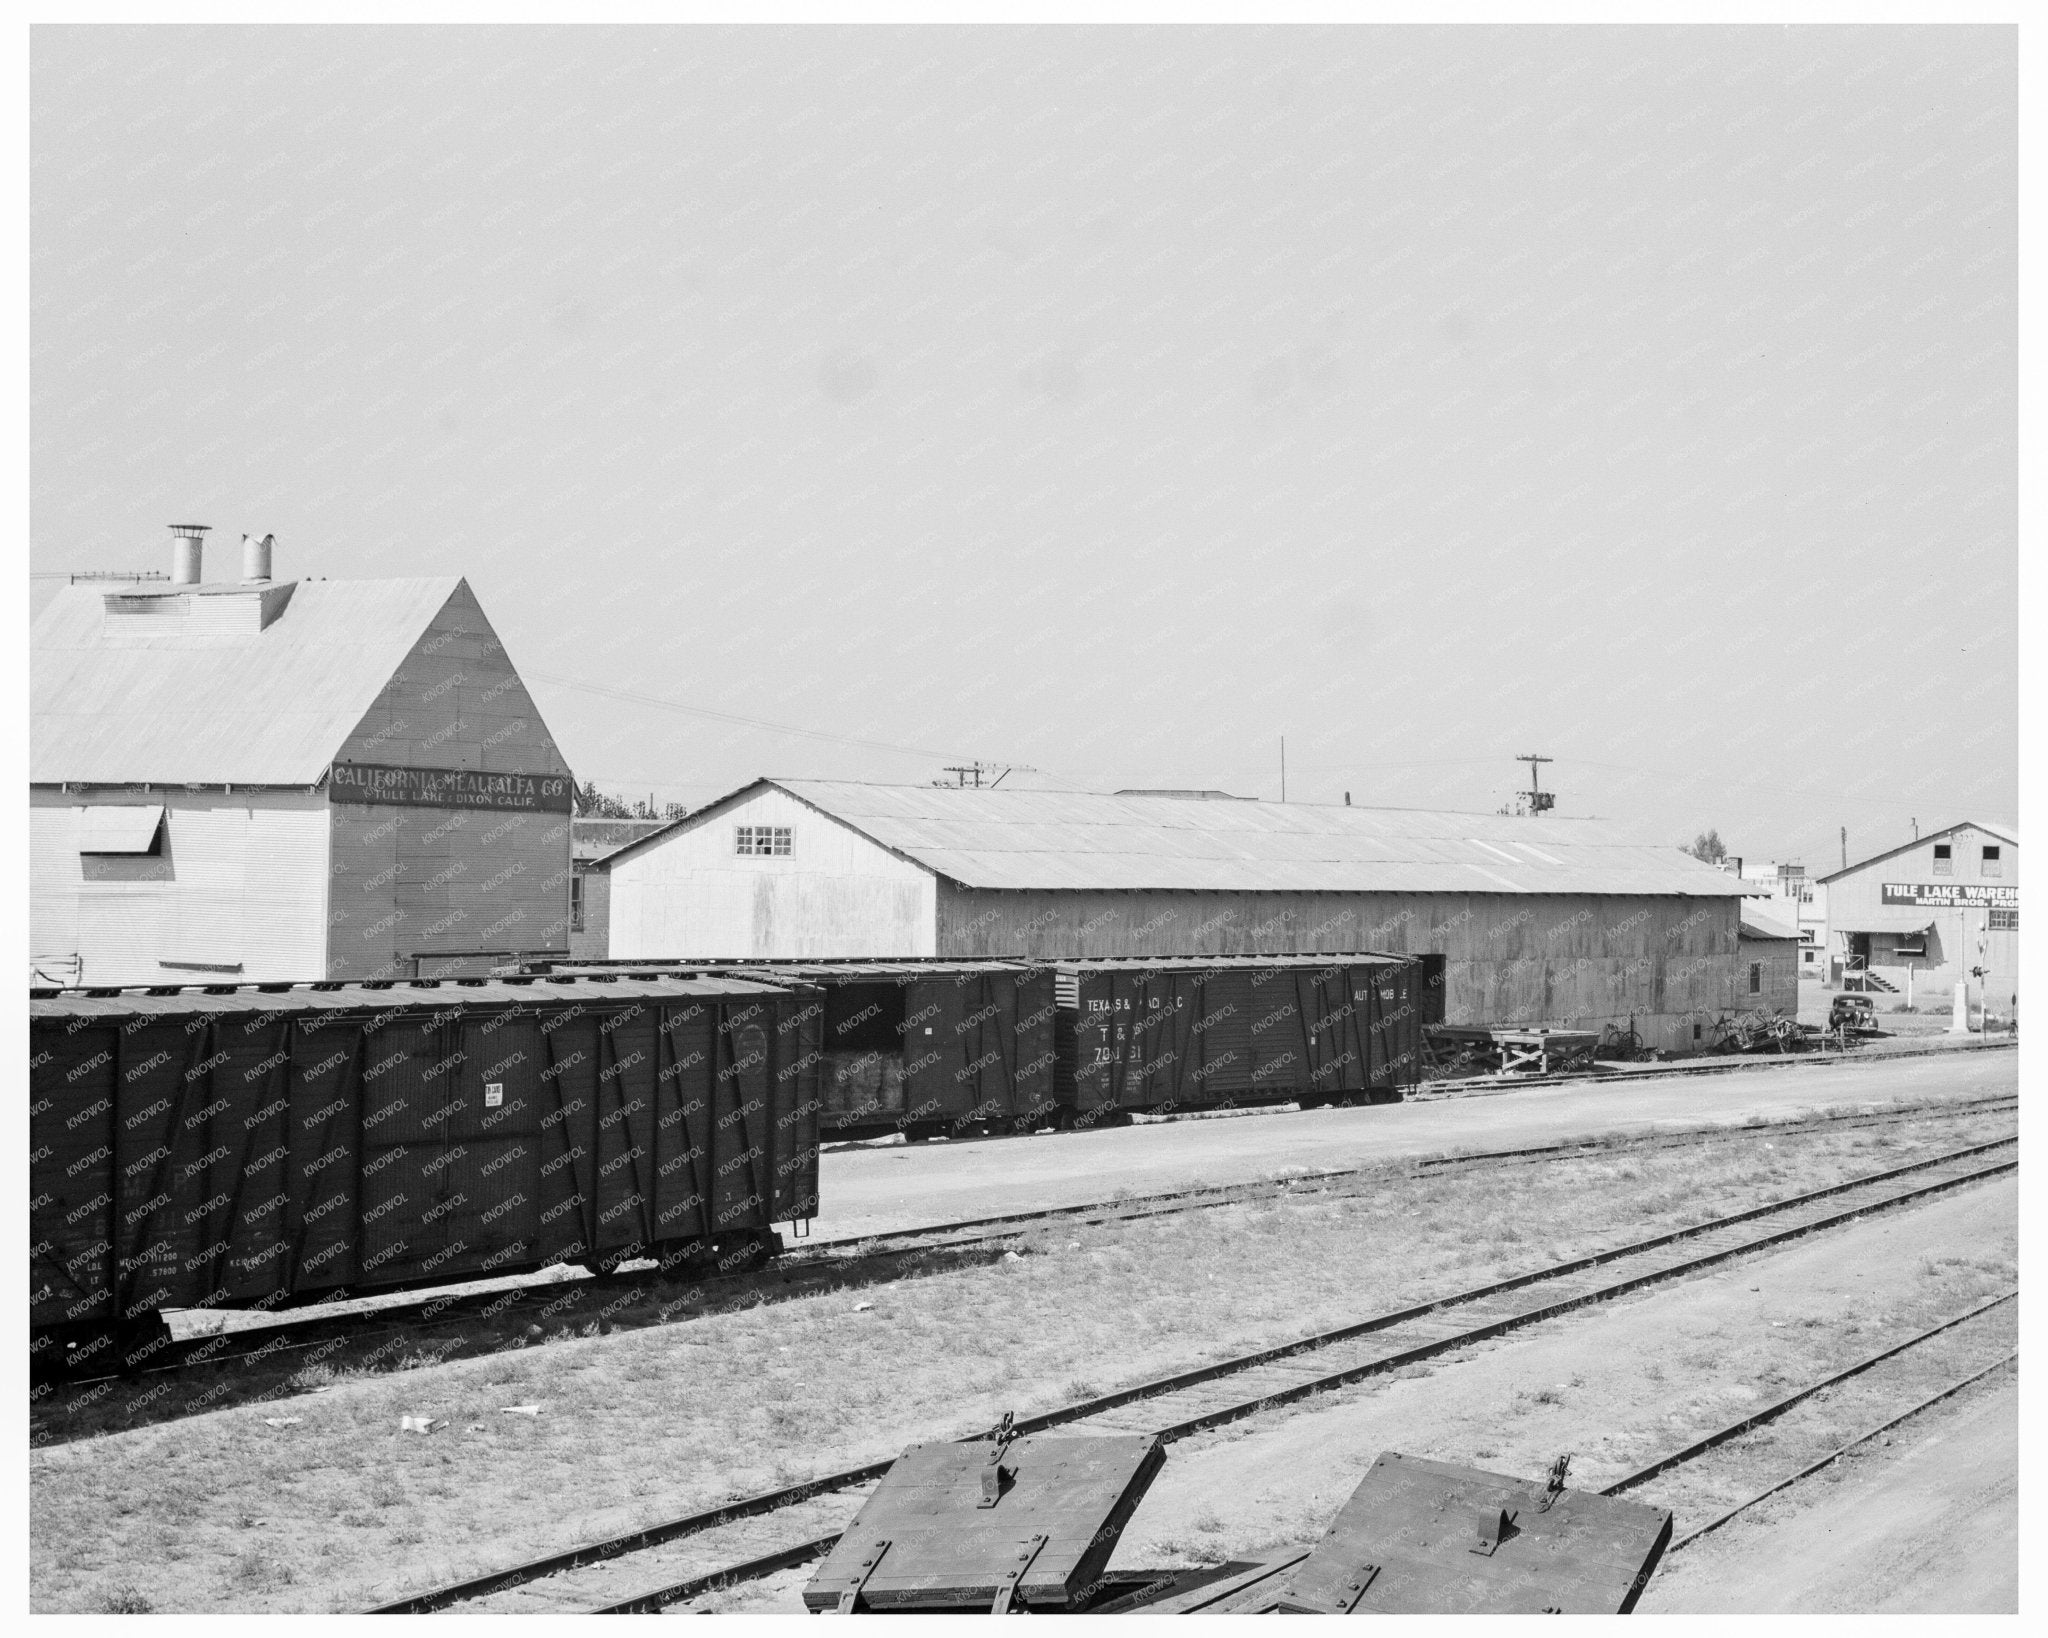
1810 793
762 723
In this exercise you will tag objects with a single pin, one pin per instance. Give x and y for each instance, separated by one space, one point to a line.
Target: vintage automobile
1853 1015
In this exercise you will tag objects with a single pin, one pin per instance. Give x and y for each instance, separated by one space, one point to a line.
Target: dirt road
869 1191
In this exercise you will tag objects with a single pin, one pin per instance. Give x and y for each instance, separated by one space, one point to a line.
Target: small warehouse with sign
261 780
1920 918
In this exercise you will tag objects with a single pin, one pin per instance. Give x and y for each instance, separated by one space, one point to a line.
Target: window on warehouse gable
761 839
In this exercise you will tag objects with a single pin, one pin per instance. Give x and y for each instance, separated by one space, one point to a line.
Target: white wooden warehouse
1564 921
264 780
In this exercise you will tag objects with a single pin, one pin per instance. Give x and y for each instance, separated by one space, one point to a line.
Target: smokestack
188 545
256 557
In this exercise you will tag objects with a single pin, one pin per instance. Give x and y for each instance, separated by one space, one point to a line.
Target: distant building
1768 975
591 842
274 780
1792 896
1549 920
1919 916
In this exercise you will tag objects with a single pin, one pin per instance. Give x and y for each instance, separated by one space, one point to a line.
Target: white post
1909 986
1959 1018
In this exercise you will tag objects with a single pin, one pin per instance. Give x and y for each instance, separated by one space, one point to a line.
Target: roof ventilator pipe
188 546
256 557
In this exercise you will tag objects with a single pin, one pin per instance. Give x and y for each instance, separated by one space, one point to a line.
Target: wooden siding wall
1780 960
1570 960
834 894
447 891
240 886
594 942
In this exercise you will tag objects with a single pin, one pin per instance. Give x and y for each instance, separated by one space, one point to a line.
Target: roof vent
188 546
256 557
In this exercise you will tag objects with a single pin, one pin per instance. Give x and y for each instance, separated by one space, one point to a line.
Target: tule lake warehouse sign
1952 895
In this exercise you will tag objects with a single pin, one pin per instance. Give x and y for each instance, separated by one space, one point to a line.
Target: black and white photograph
1120 812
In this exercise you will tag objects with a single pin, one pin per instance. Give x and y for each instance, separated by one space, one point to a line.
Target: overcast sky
1113 402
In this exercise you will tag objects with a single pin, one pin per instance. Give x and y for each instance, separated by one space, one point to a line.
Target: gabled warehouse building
1524 921
263 780
1923 917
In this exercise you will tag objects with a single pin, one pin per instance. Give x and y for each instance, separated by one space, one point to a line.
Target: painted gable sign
449 788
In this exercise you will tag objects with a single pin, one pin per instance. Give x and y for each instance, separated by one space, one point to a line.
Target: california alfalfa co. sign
1952 895
449 788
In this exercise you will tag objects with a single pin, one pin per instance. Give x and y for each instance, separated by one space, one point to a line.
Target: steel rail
1535 1316
1842 1450
277 1339
776 1501
1776 1409
652 1600
1218 1588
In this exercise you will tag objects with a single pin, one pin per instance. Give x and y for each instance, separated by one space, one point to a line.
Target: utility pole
974 770
1540 800
1283 767
1845 847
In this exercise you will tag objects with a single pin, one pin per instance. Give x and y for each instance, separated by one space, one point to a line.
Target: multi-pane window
761 839
576 902
2005 921
1993 863
1756 978
1944 864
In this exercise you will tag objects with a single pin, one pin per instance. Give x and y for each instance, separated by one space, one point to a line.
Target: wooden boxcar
927 1048
265 1146
1199 1032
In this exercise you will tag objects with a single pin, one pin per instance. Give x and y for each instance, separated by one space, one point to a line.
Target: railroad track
975 1231
1194 1591
831 1265
807 1518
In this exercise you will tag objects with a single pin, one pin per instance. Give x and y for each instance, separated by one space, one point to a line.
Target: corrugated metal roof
1336 958
271 707
1757 924
1053 840
430 997
799 969
1884 918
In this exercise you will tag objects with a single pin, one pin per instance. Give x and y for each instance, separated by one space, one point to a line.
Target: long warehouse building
1567 922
